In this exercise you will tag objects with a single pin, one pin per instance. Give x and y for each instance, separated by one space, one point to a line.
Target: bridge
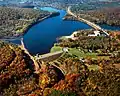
93 25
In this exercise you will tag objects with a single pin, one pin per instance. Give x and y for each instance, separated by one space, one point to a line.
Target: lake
41 37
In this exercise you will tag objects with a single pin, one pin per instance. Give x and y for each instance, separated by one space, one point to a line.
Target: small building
96 33
65 49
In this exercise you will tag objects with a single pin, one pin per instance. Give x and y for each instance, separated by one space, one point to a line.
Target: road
93 25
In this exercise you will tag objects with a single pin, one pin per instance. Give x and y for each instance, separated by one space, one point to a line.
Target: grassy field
55 49
93 67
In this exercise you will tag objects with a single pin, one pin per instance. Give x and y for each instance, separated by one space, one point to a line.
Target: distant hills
51 1
55 3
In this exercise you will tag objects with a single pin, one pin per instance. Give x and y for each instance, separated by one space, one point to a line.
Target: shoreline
40 20
74 19
29 26
72 35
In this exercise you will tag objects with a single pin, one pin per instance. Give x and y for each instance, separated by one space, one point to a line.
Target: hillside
54 3
17 75
100 13
86 63
90 68
15 21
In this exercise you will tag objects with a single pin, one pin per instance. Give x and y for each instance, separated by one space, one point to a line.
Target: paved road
93 25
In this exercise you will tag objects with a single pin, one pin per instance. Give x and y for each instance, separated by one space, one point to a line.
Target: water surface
41 37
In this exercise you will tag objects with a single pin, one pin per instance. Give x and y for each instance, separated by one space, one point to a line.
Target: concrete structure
48 56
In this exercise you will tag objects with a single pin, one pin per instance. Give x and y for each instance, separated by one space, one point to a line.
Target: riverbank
103 25
40 20
73 37
21 34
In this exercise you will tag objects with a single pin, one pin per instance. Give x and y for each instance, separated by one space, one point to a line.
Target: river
41 37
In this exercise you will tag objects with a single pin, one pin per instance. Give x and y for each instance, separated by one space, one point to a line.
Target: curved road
93 25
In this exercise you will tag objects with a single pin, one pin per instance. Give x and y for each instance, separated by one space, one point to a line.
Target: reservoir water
41 37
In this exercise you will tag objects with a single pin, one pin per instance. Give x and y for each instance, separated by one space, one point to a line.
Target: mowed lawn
55 49
80 54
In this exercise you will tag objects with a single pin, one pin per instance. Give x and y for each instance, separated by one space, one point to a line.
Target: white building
65 49
96 33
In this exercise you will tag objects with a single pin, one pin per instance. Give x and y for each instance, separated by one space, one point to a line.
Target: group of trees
110 16
86 43
14 21
17 76
14 67
102 80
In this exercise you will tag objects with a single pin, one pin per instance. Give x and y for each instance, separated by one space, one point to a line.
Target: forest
95 59
17 76
15 21
105 15
91 65
88 70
